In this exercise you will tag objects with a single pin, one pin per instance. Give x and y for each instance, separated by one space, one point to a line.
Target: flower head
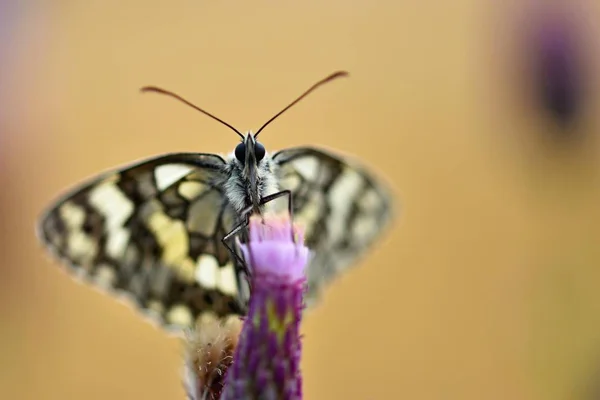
209 354
276 248
267 358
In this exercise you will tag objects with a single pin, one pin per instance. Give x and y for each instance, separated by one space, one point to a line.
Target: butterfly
157 231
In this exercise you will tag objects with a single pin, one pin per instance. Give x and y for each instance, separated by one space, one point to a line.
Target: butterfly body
155 230
249 177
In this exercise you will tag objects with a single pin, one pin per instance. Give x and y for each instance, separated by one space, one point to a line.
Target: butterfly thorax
250 177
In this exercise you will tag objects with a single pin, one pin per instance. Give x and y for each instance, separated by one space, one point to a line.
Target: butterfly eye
240 152
259 151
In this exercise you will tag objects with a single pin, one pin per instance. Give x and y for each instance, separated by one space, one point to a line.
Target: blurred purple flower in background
265 362
557 66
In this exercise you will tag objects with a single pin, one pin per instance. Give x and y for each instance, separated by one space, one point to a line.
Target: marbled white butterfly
156 231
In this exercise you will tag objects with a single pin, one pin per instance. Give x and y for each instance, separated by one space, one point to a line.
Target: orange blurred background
488 284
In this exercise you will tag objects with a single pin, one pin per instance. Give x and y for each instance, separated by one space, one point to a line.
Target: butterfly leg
231 234
239 261
277 195
246 221
236 230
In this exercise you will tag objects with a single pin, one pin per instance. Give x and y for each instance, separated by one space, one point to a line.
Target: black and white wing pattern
152 232
343 208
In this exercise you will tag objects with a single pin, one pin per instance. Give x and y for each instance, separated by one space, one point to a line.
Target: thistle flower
266 362
209 354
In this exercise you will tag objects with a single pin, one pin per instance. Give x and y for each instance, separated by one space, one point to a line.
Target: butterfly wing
343 208
152 231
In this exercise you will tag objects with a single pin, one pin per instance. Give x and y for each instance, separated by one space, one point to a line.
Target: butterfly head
251 165
249 152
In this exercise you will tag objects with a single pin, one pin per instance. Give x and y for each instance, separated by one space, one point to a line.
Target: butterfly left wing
342 206
152 231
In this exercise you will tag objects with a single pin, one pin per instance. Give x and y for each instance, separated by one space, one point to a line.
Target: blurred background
480 115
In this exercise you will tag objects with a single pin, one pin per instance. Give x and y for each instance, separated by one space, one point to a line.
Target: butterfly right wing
342 206
152 231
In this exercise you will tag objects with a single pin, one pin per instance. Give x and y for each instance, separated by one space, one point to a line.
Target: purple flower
558 70
266 361
557 50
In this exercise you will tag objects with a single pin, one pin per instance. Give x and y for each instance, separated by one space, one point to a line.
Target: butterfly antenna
331 77
176 96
